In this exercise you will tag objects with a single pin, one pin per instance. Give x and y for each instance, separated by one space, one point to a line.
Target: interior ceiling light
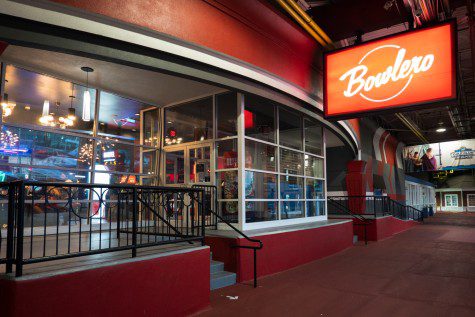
440 130
7 107
86 102
71 110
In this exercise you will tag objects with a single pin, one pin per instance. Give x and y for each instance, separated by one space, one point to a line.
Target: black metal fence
52 221
374 206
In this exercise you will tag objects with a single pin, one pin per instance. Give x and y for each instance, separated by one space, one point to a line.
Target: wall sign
405 70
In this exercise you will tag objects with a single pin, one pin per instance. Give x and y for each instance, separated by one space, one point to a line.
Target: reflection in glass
291 162
260 185
175 167
149 161
226 112
291 187
292 209
314 189
313 166
259 118
200 165
313 137
117 157
229 210
260 156
261 211
150 127
290 129
192 121
227 184
227 156
315 208
9 173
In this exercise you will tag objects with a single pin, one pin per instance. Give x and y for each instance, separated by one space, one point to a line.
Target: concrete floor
428 270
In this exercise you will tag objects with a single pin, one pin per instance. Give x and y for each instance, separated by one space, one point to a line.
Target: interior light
86 106
440 130
45 108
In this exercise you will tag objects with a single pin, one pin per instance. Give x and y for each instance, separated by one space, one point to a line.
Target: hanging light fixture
7 107
46 108
71 110
86 104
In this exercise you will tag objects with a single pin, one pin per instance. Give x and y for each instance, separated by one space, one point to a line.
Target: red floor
428 270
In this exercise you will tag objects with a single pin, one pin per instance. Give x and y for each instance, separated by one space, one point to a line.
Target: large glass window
291 162
290 129
260 156
226 154
257 211
291 187
189 122
226 112
313 166
259 118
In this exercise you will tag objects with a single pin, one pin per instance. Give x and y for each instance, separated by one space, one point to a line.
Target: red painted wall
382 228
176 285
250 30
282 251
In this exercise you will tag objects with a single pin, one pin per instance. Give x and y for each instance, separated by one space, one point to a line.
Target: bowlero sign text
400 71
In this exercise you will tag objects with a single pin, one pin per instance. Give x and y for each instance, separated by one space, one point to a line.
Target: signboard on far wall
399 72
453 155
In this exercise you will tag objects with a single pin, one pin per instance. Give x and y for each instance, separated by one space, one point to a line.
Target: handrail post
20 230
202 212
10 227
134 223
118 214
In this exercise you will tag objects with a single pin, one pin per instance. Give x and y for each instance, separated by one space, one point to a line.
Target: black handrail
365 221
254 248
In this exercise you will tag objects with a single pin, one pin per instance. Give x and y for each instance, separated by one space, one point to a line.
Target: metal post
134 224
118 215
20 229
10 227
202 212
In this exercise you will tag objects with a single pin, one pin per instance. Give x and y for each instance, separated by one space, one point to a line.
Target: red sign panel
403 70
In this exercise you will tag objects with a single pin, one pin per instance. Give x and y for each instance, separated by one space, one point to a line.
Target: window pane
117 157
149 161
120 117
226 152
313 137
229 210
9 173
257 211
261 185
259 118
313 166
200 164
291 162
192 121
314 189
290 129
175 167
260 156
29 92
150 128
291 187
315 208
292 209
227 184
226 111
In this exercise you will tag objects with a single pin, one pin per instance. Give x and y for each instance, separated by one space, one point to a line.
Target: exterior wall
164 286
465 200
382 228
462 196
420 194
252 31
443 205
281 251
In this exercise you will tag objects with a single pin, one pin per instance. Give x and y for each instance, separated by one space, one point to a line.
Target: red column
356 185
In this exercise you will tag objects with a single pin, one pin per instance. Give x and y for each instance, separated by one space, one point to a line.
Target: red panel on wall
251 31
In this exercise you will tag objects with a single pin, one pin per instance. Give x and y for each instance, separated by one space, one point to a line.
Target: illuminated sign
400 71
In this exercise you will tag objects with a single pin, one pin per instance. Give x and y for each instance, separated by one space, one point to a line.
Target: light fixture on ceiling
50 119
45 108
86 102
440 130
7 107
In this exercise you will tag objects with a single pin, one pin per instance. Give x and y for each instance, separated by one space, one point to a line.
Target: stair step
216 266
222 279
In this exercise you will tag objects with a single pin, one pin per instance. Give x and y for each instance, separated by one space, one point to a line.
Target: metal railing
212 190
53 221
374 206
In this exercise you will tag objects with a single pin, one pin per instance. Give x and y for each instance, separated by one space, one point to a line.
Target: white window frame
451 200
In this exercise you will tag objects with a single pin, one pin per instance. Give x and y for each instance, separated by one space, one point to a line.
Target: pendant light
86 104
71 110
46 108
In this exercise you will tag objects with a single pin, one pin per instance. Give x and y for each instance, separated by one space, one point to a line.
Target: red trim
175 285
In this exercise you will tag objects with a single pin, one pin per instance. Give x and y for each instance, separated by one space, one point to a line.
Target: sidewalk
426 271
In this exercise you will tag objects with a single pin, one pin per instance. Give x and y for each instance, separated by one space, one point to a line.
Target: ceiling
346 20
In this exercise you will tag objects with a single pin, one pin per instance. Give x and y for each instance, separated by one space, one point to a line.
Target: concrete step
216 266
222 279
